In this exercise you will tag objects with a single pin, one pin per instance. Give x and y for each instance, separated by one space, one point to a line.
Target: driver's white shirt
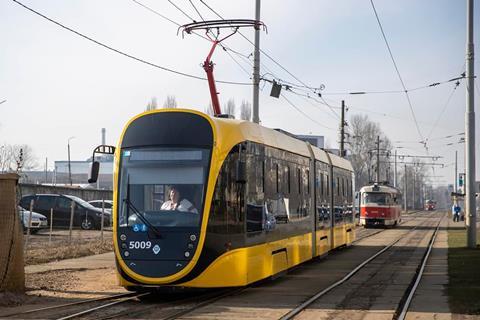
184 205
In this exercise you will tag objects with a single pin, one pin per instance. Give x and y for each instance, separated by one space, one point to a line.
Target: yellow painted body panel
324 245
245 265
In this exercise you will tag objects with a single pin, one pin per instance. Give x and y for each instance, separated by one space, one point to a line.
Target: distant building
318 141
80 171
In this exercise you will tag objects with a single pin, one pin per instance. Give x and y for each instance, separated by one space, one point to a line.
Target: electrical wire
179 9
398 72
267 55
303 113
123 53
195 8
432 85
224 47
309 99
443 110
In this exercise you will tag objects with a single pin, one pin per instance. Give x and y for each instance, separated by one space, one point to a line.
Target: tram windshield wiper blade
141 217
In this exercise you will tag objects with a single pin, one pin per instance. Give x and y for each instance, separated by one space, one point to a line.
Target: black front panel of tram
169 128
154 256
166 250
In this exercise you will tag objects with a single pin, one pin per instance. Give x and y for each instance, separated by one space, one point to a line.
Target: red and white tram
380 205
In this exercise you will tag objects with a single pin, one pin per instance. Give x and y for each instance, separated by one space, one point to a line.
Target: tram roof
380 188
253 132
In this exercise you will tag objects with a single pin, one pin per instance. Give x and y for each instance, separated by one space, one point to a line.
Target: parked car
85 215
107 205
39 221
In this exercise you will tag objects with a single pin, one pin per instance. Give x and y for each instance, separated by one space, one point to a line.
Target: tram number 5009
139 245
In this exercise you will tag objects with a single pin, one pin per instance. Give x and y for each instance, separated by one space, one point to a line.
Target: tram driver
178 203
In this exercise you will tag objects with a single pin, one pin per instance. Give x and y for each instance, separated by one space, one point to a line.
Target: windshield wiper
145 220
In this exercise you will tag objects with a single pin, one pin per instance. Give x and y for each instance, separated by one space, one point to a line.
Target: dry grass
464 283
65 251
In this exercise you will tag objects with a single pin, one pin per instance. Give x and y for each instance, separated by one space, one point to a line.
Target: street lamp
69 167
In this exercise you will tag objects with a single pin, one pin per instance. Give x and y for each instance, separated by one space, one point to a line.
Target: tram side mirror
94 169
241 172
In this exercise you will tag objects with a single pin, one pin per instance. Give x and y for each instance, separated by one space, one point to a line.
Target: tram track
49 309
314 298
404 305
384 229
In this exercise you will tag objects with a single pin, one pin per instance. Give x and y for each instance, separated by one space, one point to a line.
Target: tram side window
277 177
328 185
322 189
299 184
338 186
288 180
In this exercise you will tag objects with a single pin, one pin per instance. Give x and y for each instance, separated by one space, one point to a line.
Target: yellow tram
207 202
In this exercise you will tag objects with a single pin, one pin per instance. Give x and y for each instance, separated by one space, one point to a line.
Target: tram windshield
164 185
379 198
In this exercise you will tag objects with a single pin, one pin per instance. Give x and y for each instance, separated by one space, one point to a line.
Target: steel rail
419 274
384 229
203 303
81 313
291 314
69 304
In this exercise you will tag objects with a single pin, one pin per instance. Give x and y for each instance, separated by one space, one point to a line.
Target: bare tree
17 158
152 104
170 102
246 110
209 109
230 107
363 136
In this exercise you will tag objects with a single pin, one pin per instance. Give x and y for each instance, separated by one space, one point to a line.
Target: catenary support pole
378 158
470 208
456 171
256 66
342 131
405 207
395 170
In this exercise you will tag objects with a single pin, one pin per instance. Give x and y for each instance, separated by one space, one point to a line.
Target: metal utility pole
46 170
413 189
470 208
378 158
342 131
395 170
69 166
405 207
456 171
256 66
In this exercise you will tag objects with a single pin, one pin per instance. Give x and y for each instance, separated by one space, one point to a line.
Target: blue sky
59 85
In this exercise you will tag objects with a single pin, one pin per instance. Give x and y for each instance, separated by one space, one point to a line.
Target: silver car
39 221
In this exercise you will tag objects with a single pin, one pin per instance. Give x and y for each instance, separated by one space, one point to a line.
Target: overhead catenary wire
124 53
397 71
223 46
360 92
443 110
267 55
180 9
303 113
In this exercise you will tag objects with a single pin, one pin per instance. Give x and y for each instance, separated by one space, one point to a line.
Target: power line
443 110
266 54
198 12
224 47
123 53
398 72
184 13
432 85
304 114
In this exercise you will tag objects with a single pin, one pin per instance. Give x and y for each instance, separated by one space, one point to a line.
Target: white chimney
103 135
